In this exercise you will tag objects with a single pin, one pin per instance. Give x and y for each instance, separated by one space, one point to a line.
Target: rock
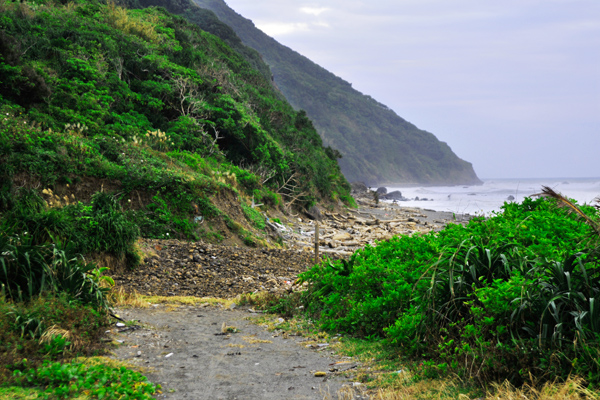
510 198
381 191
395 195
359 188
314 213
342 236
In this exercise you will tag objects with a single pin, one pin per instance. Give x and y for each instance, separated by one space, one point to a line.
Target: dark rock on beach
381 191
359 188
395 195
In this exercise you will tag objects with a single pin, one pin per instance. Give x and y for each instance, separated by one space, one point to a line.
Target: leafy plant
496 299
102 381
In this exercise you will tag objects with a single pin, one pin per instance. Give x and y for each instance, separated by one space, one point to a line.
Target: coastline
344 232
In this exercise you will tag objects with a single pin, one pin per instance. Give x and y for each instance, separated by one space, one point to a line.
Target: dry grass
254 340
54 331
572 389
110 362
405 388
118 297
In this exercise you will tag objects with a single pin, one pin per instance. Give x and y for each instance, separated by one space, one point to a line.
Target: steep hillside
377 145
175 125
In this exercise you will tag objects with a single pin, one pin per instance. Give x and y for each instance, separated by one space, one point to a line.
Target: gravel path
185 351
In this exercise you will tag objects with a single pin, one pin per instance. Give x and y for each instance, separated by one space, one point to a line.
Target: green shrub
254 216
22 324
497 299
102 381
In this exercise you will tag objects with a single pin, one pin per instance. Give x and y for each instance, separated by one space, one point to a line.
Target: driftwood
340 252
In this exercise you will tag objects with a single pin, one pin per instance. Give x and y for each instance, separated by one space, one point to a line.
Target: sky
512 86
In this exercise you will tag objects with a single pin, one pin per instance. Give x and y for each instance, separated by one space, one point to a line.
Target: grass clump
254 216
47 328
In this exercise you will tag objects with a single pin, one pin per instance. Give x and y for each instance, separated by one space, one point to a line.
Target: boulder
314 213
359 188
395 195
381 191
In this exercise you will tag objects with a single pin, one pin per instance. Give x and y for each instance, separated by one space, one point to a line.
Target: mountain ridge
403 154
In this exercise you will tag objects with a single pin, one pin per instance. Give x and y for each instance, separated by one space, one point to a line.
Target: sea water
489 197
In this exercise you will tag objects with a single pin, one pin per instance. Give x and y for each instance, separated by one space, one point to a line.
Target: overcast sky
513 86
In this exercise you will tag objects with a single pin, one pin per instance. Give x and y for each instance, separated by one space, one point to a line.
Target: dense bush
499 298
78 328
28 270
126 84
100 227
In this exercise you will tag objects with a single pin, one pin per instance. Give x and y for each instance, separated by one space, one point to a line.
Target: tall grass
28 270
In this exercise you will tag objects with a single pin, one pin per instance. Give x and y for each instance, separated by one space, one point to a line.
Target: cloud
313 10
281 28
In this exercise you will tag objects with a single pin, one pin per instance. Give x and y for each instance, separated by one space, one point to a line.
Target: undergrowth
509 297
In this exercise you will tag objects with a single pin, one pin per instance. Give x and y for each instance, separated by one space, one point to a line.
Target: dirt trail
184 348
185 351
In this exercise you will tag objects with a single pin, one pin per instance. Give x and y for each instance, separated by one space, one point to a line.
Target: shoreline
344 232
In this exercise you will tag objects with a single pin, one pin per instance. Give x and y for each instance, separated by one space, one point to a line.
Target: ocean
489 197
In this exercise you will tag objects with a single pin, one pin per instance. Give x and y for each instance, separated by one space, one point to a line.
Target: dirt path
183 347
185 351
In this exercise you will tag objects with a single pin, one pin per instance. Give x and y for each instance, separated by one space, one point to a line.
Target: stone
359 188
314 213
342 236
395 195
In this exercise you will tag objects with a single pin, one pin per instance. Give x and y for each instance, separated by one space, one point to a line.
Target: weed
62 380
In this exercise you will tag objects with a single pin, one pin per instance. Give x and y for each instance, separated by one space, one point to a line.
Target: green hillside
377 145
144 105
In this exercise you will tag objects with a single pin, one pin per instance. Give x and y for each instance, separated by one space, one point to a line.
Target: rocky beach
180 268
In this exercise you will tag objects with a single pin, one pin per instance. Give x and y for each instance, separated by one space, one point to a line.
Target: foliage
102 381
23 324
497 299
132 83
28 270
100 227
254 217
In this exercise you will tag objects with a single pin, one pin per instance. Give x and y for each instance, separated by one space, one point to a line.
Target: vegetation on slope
149 105
510 297
377 145
116 124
